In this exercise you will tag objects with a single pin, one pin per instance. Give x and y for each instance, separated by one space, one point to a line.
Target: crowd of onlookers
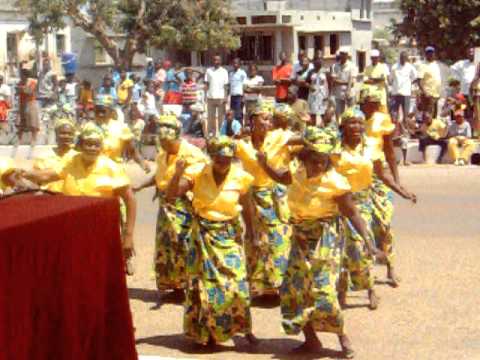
428 101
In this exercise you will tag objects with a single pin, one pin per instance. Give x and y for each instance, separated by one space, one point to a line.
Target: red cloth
172 98
63 291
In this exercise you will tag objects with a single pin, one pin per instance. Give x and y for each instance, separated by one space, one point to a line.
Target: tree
450 26
183 24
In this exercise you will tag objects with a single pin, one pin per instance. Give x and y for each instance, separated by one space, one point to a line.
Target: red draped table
63 291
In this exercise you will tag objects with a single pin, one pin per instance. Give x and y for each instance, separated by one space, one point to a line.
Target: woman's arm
41 176
282 177
248 213
178 186
137 157
388 180
348 209
389 152
147 183
126 193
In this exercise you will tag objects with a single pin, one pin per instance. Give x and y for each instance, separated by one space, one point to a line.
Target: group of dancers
302 215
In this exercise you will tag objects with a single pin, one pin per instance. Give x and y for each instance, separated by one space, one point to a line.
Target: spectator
318 91
107 88
464 71
377 75
174 78
150 131
216 82
71 90
195 129
281 78
28 107
299 63
300 79
189 88
47 86
328 119
137 124
137 89
252 90
343 73
231 126
5 104
124 90
237 80
460 144
430 79
475 96
147 104
299 109
160 78
85 96
433 132
402 77
149 69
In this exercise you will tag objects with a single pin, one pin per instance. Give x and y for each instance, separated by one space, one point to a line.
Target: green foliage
182 24
451 26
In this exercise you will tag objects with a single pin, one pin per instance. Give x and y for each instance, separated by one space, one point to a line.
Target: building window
361 61
100 54
318 43
302 42
256 48
333 44
286 19
242 20
264 19
60 41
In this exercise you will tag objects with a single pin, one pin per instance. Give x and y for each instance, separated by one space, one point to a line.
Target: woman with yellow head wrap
89 173
359 162
218 299
56 157
318 197
174 218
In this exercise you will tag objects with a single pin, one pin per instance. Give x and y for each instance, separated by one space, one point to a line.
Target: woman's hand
180 166
261 157
128 249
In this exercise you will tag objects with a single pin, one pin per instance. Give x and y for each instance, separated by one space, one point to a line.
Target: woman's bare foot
374 299
392 276
346 345
342 299
252 339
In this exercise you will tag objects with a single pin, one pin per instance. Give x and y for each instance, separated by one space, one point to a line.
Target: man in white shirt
343 73
252 90
402 77
430 76
237 79
216 82
464 71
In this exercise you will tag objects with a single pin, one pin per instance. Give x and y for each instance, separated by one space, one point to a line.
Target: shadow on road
279 348
152 297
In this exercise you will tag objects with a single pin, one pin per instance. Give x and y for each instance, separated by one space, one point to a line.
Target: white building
17 45
269 27
384 11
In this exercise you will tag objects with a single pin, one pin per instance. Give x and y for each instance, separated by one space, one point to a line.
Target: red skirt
4 107
173 98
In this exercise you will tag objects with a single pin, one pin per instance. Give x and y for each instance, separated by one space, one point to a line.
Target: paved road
433 315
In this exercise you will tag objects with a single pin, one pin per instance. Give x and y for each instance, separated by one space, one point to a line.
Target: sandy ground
433 315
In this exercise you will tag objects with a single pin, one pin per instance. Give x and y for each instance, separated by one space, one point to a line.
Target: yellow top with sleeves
378 126
431 78
122 90
52 161
276 148
377 72
314 198
357 165
278 156
219 203
100 179
6 167
438 129
116 136
166 164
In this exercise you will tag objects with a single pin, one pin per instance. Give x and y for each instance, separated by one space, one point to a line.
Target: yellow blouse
116 136
276 148
100 179
6 167
378 126
52 161
166 164
357 165
219 203
315 198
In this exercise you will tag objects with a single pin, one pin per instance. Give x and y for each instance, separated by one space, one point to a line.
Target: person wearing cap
218 297
379 135
359 162
57 156
267 254
174 219
118 138
342 80
318 197
430 76
460 143
90 173
377 75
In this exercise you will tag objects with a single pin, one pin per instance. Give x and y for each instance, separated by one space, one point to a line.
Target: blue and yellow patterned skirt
309 291
218 299
174 223
267 262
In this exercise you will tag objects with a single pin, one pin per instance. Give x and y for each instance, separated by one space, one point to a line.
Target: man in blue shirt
237 80
231 127
107 88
